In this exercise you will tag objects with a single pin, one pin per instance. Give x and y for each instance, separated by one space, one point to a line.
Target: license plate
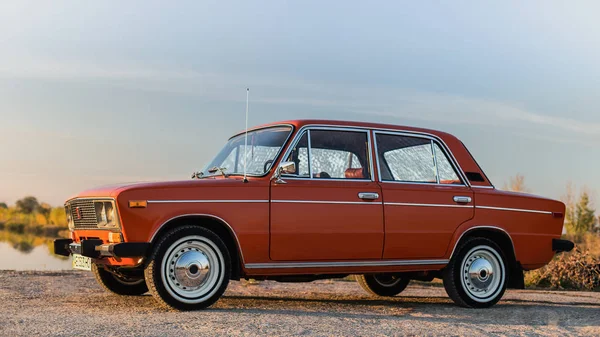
82 262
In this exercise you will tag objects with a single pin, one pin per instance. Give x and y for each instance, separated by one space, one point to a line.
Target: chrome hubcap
192 269
482 273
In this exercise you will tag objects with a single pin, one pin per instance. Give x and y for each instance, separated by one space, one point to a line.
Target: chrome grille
87 211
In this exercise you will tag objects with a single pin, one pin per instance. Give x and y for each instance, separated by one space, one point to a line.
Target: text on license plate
82 262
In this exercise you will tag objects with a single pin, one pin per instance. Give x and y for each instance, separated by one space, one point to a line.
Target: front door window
329 154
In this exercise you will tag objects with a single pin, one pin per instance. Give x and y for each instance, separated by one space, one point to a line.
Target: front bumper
559 245
97 249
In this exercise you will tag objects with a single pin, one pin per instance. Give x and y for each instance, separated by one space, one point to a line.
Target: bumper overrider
559 245
97 249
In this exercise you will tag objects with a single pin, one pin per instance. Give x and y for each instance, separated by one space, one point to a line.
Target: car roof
299 123
462 155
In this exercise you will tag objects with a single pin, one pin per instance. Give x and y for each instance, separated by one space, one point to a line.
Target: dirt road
71 303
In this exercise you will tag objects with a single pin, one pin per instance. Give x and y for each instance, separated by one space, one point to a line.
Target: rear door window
413 160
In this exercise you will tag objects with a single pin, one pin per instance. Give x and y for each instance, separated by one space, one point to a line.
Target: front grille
87 211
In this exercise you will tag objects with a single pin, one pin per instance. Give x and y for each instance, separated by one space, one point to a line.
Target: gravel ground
71 303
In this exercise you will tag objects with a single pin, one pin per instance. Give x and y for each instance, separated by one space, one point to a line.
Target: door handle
368 195
462 199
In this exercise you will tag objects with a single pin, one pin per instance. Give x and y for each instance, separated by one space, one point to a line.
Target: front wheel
117 284
382 284
189 268
476 276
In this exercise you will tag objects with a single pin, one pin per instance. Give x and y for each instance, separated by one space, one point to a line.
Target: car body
307 199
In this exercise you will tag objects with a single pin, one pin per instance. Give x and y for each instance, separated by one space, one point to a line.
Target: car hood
113 191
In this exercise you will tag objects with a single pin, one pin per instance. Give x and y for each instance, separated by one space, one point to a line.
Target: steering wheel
267 166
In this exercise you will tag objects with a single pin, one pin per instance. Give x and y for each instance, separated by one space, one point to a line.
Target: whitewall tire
189 268
476 276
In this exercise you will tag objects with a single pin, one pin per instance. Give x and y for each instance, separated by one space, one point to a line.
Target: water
30 254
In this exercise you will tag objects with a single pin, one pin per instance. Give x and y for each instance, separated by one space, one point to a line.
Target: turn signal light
115 237
138 204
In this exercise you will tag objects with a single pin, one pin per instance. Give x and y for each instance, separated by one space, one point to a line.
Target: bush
16 227
587 242
577 270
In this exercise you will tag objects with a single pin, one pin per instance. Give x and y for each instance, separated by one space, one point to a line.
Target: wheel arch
215 224
496 234
503 239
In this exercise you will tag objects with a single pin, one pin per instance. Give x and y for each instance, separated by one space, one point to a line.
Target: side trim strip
426 205
327 202
290 265
205 201
514 209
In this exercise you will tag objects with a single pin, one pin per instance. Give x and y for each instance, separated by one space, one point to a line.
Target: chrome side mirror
286 167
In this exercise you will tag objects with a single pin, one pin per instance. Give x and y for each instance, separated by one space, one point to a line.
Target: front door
330 209
425 199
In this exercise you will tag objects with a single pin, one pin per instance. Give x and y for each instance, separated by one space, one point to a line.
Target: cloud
452 109
341 97
27 68
446 109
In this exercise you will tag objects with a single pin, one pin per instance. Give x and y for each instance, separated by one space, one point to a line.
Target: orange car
303 200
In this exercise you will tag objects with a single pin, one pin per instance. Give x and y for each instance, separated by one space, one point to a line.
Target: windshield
263 147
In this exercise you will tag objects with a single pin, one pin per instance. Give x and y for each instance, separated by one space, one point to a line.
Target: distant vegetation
579 269
29 216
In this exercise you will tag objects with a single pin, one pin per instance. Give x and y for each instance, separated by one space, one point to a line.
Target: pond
27 252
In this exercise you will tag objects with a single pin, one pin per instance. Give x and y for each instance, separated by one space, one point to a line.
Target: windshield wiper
220 170
197 175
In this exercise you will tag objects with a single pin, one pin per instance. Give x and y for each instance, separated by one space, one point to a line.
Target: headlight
69 218
106 214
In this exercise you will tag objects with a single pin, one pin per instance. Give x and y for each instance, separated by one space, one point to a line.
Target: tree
27 205
44 209
58 216
580 218
516 184
3 205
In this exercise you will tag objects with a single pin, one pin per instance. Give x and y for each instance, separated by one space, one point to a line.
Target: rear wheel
476 276
189 268
120 285
382 284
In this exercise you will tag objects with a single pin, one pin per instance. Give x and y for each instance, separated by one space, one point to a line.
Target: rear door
425 198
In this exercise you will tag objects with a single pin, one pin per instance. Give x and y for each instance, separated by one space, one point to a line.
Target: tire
477 274
189 268
382 284
117 285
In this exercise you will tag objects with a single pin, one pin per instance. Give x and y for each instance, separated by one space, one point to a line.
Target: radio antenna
246 139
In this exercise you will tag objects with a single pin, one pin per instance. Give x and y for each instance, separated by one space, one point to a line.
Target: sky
102 92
